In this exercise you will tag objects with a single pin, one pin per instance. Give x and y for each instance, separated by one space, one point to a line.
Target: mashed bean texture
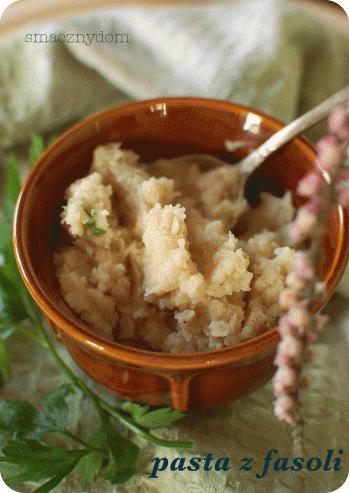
153 260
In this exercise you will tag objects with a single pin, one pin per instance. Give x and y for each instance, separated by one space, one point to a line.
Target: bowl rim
230 355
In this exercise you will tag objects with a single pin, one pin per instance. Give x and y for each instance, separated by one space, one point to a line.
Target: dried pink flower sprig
298 326
338 122
331 150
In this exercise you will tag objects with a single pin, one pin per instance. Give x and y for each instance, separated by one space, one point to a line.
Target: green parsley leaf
11 305
6 330
90 465
56 480
4 362
91 223
12 183
5 236
12 189
29 460
123 457
21 419
8 264
52 138
158 418
97 231
55 404
135 410
36 148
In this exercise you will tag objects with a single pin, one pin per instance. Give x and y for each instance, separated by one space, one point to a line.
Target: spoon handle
277 140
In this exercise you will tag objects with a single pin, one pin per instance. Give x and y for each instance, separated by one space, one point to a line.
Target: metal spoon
248 164
292 130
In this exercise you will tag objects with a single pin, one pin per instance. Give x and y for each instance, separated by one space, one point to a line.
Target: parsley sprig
27 456
91 223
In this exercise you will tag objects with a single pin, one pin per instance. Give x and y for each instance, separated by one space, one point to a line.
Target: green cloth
262 53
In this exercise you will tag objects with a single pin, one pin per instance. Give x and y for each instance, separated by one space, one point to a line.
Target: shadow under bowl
164 127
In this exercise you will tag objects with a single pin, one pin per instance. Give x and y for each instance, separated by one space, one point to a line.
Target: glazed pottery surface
165 127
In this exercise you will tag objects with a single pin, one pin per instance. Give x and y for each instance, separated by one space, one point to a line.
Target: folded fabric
266 54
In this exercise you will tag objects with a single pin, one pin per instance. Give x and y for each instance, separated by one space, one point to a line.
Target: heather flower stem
297 435
299 324
102 406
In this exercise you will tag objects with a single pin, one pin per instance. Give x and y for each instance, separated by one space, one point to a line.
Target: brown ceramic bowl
165 127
